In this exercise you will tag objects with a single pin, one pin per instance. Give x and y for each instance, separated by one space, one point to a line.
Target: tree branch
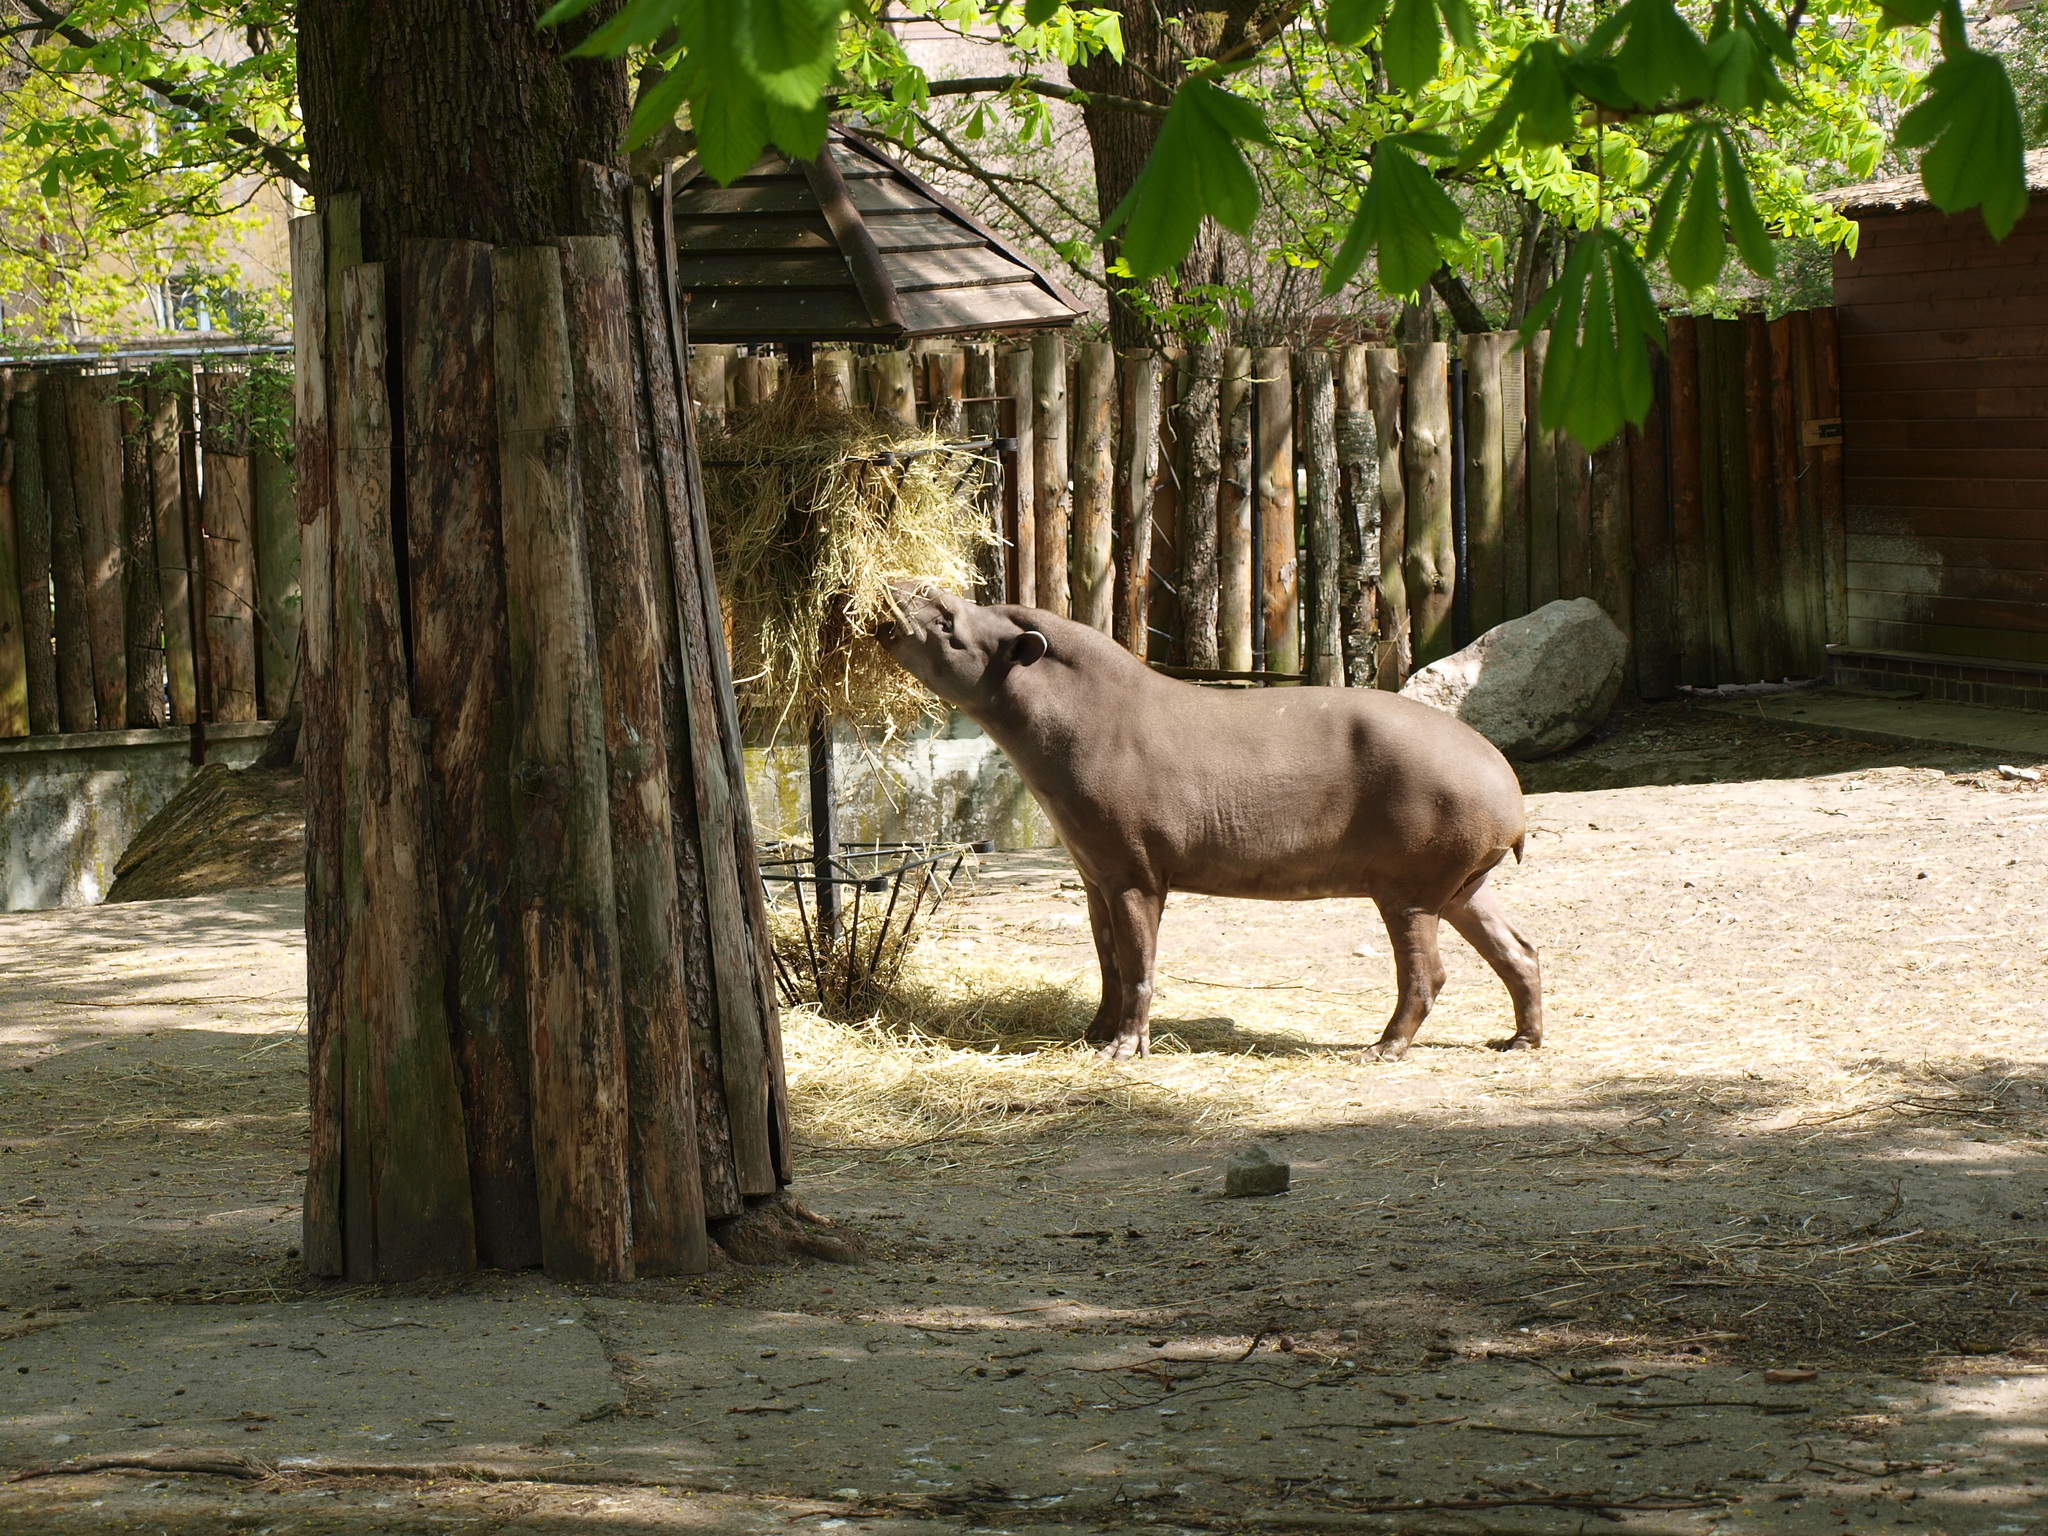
1465 311
976 85
275 156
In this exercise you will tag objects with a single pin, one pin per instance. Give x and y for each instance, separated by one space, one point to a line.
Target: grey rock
1534 685
1255 1171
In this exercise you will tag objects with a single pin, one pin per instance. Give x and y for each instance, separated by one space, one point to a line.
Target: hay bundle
809 526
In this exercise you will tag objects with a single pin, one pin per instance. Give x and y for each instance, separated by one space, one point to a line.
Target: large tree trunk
543 1030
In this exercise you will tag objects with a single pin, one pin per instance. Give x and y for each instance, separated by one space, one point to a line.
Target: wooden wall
1944 359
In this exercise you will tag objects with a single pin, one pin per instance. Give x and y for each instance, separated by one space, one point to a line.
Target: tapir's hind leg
1134 927
1419 976
1103 1026
1482 923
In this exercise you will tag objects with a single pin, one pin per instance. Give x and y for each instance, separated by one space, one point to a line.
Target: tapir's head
963 652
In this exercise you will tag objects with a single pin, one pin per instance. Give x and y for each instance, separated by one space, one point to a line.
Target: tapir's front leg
1103 1026
1134 928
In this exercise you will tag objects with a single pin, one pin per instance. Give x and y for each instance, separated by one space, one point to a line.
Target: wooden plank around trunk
32 536
668 1230
175 584
1826 360
1515 431
405 1172
1766 558
1396 654
1740 573
461 659
1093 577
1020 522
1692 625
1798 569
1542 480
227 503
1201 473
1485 574
143 614
1137 469
1649 506
1052 509
1359 513
76 708
981 417
1323 658
892 386
1432 557
1279 534
945 387
277 581
96 488
1234 509
1612 577
560 803
1721 668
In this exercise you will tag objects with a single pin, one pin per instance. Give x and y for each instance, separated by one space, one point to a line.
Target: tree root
778 1230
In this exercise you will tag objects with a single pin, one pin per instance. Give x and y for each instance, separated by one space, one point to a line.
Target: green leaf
1349 22
1536 107
1196 170
1402 216
1972 119
1661 58
1038 12
1676 173
1909 13
1412 43
1699 249
1751 239
1602 320
1460 22
657 108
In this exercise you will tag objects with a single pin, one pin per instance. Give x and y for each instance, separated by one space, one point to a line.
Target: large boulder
1533 685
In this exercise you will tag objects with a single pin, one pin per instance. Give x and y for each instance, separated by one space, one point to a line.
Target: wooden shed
1944 370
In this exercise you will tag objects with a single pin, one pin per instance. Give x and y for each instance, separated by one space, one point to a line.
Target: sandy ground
1760 1242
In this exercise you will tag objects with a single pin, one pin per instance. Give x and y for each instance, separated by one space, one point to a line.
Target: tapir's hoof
1517 1043
1123 1049
1387 1050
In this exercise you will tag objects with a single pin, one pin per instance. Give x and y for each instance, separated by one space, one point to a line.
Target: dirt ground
1759 1242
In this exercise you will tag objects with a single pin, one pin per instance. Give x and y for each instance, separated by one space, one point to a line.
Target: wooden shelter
1944 368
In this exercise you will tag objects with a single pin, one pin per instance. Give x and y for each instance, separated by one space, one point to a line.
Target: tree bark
1052 513
76 709
32 525
1396 655
173 560
1200 449
96 488
1093 579
1280 577
1137 468
1234 508
143 620
13 655
1432 560
1359 511
1324 662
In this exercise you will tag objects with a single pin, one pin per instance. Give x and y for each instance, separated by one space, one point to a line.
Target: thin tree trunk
1094 577
1201 449
1020 491
1359 514
1485 519
1136 471
1432 563
981 420
1396 654
32 524
77 710
1234 509
1324 663
1052 508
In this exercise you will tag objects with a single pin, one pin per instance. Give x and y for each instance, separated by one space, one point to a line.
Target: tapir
1283 794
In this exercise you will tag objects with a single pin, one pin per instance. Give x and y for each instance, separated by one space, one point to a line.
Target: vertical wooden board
710 376
320 734
1358 512
1280 535
1201 463
1657 645
1092 582
1713 544
32 545
1234 508
142 604
1432 559
1741 576
1137 468
1396 656
1514 497
1826 364
404 1133
461 680
195 523
13 651
1316 385
1804 391
1692 625
1485 575
892 386
560 802
76 707
228 513
1164 641
1612 576
834 366
1574 519
668 1231
1542 478
945 386
277 581
1052 507
175 584
1019 483
1799 586
1767 559
982 418
96 487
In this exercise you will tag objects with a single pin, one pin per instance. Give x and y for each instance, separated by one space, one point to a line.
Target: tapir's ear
1027 648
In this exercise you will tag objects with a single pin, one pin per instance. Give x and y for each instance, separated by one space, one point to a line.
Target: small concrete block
1255 1171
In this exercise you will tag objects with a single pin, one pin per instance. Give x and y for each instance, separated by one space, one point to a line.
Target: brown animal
1287 794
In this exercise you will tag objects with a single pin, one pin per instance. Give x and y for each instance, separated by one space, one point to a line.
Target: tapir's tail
1518 846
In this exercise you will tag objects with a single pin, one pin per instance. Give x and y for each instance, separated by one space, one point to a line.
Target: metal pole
1461 585
824 828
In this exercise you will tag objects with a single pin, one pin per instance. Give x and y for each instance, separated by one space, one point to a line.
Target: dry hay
808 529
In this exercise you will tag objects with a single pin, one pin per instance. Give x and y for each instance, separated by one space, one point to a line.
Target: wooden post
77 710
1515 431
945 382
1766 560
1280 576
1165 639
405 1180
1052 509
1805 621
1234 507
1574 519
1201 458
229 559
319 739
1713 543
668 1228
1432 565
1396 655
143 615
195 528
32 534
983 419
1485 575
560 800
96 485
1740 574
1323 665
277 580
1658 650
1094 578
1542 477
1020 466
710 375
1137 467
1358 512
892 386
1612 577
1826 365
173 560
13 653
834 369
1692 629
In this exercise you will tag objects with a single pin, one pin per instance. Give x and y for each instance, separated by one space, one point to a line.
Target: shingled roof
847 247
1895 194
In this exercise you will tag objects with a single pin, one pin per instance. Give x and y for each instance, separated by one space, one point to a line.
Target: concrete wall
946 784
70 805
